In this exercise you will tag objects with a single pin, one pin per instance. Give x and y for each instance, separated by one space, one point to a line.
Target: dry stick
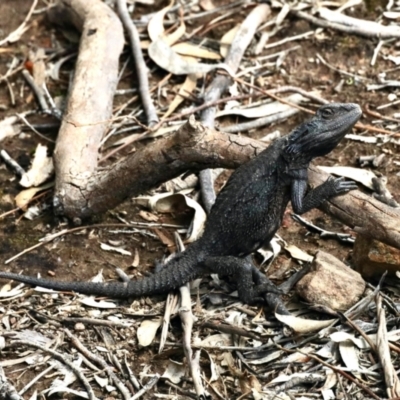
345 28
95 358
221 83
38 91
63 359
141 68
232 330
391 379
89 100
16 35
146 387
333 368
35 379
19 171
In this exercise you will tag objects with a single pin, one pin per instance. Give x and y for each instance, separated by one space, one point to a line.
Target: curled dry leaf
186 89
339 337
147 331
155 27
163 55
174 372
298 254
41 169
349 356
360 175
25 196
286 378
8 127
167 202
301 325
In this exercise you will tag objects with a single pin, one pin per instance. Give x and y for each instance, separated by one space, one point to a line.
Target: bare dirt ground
79 256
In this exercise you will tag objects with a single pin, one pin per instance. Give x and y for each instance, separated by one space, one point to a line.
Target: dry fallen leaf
189 49
167 202
7 127
187 88
42 168
301 325
147 331
298 254
25 196
163 55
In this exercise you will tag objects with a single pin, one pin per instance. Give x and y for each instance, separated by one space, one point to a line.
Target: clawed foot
341 186
257 293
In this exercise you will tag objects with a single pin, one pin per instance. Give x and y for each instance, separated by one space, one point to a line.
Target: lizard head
320 135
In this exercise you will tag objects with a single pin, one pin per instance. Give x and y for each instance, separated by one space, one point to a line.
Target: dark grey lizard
246 215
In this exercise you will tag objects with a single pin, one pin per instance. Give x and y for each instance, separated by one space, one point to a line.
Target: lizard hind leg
251 283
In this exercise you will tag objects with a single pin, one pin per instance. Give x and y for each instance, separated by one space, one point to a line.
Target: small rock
331 283
372 258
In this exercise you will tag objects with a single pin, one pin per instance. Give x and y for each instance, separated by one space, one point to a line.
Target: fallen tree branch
90 98
193 148
361 212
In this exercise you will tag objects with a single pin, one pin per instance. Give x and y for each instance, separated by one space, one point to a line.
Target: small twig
333 368
259 122
35 379
19 171
25 121
382 347
132 377
37 90
146 387
140 65
342 237
181 391
95 358
233 330
15 35
340 71
289 39
63 359
350 25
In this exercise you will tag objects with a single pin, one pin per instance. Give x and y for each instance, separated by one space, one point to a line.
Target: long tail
180 270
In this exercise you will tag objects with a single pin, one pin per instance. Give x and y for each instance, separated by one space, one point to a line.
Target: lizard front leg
302 202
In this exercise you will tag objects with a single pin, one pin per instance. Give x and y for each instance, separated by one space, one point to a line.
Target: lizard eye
327 113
